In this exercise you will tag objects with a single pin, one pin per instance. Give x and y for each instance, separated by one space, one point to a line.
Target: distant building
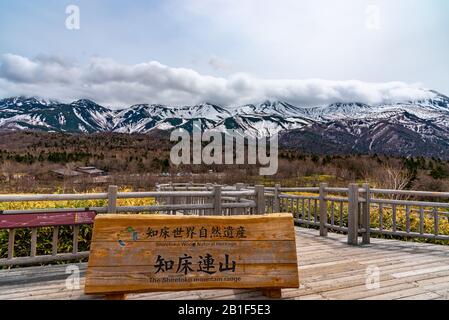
66 173
96 175
101 179
92 171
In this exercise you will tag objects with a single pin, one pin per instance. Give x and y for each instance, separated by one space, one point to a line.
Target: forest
139 161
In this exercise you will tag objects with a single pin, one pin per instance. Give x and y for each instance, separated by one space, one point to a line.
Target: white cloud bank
110 83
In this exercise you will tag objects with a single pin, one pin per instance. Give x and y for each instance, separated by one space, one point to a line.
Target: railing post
276 206
260 199
217 201
11 239
323 210
209 187
366 215
353 208
239 187
172 200
112 199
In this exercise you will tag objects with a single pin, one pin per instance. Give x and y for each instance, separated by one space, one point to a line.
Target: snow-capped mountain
82 116
143 118
268 107
405 128
400 134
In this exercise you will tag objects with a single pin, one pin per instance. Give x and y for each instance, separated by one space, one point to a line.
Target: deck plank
328 269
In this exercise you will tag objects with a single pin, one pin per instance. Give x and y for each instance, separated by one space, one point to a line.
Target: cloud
220 64
42 69
119 85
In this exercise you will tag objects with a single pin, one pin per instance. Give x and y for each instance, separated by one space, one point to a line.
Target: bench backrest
46 219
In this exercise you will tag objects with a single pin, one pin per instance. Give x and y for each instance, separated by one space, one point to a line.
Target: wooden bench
142 253
46 219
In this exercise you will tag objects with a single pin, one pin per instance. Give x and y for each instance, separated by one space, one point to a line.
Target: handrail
337 190
311 189
411 193
54 197
136 195
54 210
120 195
294 196
411 203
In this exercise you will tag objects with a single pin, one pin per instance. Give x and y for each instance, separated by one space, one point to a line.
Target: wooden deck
328 269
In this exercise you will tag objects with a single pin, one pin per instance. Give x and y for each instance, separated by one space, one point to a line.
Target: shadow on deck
328 269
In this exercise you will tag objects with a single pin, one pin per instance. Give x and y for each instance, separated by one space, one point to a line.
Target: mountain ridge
404 128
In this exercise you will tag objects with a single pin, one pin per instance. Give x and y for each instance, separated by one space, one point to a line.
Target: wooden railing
356 211
364 211
199 200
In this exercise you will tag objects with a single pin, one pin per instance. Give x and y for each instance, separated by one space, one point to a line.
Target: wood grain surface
140 253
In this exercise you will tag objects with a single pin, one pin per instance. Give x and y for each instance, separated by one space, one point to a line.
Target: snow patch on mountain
425 118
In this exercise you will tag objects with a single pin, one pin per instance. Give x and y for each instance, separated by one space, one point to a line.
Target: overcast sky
225 51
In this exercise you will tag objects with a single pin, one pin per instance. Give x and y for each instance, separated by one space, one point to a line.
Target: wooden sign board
45 219
140 253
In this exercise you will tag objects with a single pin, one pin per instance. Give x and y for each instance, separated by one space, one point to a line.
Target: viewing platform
329 268
338 232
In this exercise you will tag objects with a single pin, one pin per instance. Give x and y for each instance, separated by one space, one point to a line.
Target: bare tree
395 178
